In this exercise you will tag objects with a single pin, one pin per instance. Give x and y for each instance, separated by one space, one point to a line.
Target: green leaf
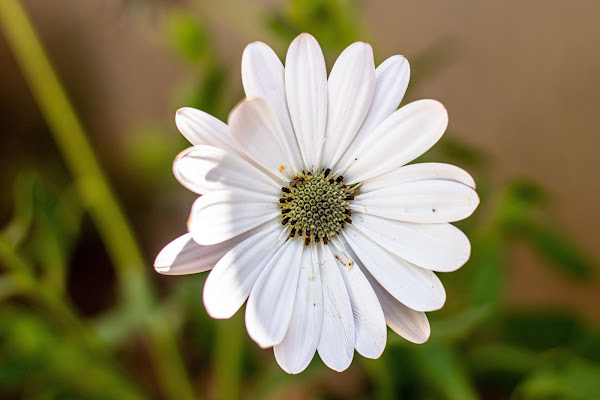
383 383
150 152
32 353
188 36
502 359
588 345
444 372
522 216
460 325
487 278
274 383
570 378
23 199
208 95
541 330
458 151
336 24
520 199
557 248
57 219
430 62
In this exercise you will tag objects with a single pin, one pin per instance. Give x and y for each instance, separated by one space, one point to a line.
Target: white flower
309 211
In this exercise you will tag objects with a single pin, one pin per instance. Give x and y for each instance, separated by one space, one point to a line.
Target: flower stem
383 384
18 279
96 195
227 359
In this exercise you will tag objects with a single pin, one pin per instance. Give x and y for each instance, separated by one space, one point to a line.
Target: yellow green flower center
315 206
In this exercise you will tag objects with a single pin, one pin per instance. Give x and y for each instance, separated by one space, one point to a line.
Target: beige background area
523 85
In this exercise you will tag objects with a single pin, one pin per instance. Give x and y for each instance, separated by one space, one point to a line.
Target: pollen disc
315 206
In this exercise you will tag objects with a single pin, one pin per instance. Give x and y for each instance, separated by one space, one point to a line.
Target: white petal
231 280
419 172
410 324
417 288
220 215
184 256
263 76
369 322
336 347
306 92
206 168
256 129
351 87
201 128
271 301
429 201
392 78
298 347
402 137
439 247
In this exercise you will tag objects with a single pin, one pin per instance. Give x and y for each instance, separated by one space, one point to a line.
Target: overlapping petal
306 92
439 247
351 86
428 201
406 322
399 139
410 324
336 346
369 322
201 128
391 81
417 288
231 280
256 129
206 168
223 214
184 256
419 172
298 347
263 76
271 303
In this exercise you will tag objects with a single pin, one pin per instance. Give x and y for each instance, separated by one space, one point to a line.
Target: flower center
315 206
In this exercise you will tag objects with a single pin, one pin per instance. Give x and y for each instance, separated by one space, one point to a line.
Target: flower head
309 211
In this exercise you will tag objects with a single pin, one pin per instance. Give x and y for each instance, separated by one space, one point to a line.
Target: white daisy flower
309 212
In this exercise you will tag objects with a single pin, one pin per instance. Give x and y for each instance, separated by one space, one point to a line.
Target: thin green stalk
19 279
8 287
379 372
70 136
96 194
227 359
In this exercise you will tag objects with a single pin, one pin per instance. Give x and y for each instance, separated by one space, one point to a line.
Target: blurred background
87 196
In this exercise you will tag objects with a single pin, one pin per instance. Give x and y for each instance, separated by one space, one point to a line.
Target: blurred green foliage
191 41
336 23
480 347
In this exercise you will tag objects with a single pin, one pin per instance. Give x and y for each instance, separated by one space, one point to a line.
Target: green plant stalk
96 194
227 359
19 279
378 371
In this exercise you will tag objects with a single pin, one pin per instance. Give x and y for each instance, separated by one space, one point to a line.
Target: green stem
96 194
379 372
18 279
54 307
227 359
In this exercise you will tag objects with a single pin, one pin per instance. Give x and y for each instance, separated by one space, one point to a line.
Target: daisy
309 211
